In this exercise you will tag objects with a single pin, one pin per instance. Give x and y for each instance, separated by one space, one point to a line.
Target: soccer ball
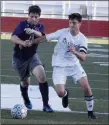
19 111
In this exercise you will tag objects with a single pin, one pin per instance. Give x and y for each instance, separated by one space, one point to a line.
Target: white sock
89 103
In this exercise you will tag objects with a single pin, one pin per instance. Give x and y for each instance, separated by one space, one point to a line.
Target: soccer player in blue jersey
25 57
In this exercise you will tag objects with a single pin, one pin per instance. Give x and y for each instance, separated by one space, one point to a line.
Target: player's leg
39 72
88 96
59 80
81 77
24 92
22 69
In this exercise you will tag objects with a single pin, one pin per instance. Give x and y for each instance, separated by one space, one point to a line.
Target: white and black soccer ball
19 111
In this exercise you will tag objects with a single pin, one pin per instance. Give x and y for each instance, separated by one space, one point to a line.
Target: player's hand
27 43
29 31
71 49
20 46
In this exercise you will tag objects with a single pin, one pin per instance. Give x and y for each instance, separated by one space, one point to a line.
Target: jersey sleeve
54 36
84 46
42 30
19 29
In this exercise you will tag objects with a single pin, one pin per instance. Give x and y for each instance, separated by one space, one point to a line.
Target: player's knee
60 94
42 79
60 90
25 83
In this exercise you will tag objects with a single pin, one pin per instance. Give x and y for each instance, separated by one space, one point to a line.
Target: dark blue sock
44 92
24 92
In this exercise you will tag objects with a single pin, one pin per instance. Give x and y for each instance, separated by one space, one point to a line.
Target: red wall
89 27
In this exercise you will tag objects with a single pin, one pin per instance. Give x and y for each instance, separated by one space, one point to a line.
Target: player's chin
72 28
35 23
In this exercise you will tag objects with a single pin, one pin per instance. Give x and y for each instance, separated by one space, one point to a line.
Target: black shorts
24 68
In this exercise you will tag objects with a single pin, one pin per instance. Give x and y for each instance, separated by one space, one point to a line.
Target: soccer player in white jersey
70 48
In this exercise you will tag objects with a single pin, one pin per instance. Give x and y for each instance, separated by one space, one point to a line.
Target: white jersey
61 56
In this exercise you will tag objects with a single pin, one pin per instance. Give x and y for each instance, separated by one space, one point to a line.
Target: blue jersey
26 52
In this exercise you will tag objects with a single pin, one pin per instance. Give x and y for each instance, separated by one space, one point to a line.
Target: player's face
74 24
33 18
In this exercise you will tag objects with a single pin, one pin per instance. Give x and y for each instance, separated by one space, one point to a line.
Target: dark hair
34 9
76 16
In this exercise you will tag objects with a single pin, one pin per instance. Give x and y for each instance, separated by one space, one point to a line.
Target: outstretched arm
40 40
49 37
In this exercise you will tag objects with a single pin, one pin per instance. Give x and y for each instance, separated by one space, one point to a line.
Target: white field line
51 78
82 112
52 71
52 50
8 54
101 89
79 112
70 98
82 99
102 56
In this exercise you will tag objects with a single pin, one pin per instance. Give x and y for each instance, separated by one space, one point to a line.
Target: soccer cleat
47 109
91 115
65 100
28 105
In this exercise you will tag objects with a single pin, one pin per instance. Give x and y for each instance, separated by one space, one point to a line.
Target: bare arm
80 55
37 33
40 40
30 31
49 37
16 40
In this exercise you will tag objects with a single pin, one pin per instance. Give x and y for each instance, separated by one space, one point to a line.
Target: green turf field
98 78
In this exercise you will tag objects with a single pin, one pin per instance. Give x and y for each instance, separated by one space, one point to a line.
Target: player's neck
31 23
74 33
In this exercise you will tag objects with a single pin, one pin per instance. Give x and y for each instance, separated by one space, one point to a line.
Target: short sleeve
84 45
42 30
55 36
19 29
